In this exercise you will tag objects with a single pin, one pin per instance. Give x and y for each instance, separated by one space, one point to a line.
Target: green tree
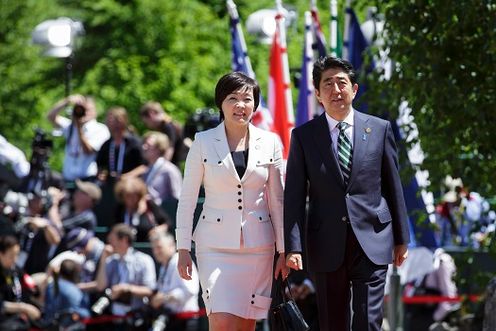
444 53
132 51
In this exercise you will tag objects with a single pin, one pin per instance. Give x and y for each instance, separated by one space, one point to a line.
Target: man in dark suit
346 163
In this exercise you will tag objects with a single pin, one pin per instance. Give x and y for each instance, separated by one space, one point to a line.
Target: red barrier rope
426 299
412 300
190 314
103 319
110 318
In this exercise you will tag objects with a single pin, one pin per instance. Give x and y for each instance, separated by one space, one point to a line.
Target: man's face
150 151
112 239
81 200
162 251
114 124
151 118
158 250
336 93
9 257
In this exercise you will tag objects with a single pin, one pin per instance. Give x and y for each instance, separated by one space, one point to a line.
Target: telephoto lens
160 323
102 303
78 111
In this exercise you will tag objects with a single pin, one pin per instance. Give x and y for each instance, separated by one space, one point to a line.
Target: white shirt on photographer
78 164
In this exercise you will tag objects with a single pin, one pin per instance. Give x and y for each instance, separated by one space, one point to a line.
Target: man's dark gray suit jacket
372 201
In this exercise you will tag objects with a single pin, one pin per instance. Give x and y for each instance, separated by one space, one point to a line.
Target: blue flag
356 42
356 45
319 41
239 54
241 62
306 101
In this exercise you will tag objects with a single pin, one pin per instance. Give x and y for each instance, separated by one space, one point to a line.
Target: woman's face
238 107
9 257
131 200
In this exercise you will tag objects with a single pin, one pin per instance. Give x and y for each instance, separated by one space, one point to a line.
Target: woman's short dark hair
7 242
232 82
330 62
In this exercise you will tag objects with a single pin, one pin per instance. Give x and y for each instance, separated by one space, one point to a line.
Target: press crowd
97 237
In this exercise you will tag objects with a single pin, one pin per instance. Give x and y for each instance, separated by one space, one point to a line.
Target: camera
41 147
202 119
40 140
39 173
78 111
16 206
160 323
102 303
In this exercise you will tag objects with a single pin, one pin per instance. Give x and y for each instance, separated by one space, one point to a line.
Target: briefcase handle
283 287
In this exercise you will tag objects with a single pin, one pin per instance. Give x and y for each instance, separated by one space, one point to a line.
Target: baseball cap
77 239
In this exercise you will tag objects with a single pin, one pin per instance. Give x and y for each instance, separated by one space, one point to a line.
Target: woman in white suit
240 167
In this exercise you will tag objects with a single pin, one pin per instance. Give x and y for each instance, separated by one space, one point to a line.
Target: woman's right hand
185 264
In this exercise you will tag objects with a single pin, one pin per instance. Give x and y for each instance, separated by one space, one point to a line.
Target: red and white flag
280 99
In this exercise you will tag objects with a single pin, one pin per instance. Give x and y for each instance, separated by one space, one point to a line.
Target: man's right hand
294 261
185 264
107 251
31 311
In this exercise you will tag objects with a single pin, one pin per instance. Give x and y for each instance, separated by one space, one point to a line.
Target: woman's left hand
281 267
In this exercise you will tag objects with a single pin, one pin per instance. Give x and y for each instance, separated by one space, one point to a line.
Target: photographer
15 312
128 273
84 136
86 195
63 296
40 176
38 235
173 294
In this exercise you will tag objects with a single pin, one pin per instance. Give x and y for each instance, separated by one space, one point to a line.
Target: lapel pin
367 131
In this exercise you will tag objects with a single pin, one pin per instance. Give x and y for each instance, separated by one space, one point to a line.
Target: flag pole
346 35
333 28
320 40
306 106
233 13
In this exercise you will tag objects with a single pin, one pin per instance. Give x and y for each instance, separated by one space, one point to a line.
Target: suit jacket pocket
213 162
211 217
209 223
384 216
262 217
265 160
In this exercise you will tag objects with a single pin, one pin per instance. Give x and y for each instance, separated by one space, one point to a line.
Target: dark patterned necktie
344 151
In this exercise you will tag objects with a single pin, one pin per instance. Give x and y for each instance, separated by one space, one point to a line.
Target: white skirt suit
240 221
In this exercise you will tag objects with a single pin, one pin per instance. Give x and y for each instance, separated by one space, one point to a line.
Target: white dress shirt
335 131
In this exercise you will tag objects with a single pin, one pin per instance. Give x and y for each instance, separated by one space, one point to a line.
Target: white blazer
251 206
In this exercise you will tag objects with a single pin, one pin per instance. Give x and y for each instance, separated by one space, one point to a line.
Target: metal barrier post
395 304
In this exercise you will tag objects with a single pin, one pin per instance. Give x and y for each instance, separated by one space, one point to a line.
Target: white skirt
236 281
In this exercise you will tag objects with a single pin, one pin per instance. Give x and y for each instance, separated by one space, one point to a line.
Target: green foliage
445 53
132 51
